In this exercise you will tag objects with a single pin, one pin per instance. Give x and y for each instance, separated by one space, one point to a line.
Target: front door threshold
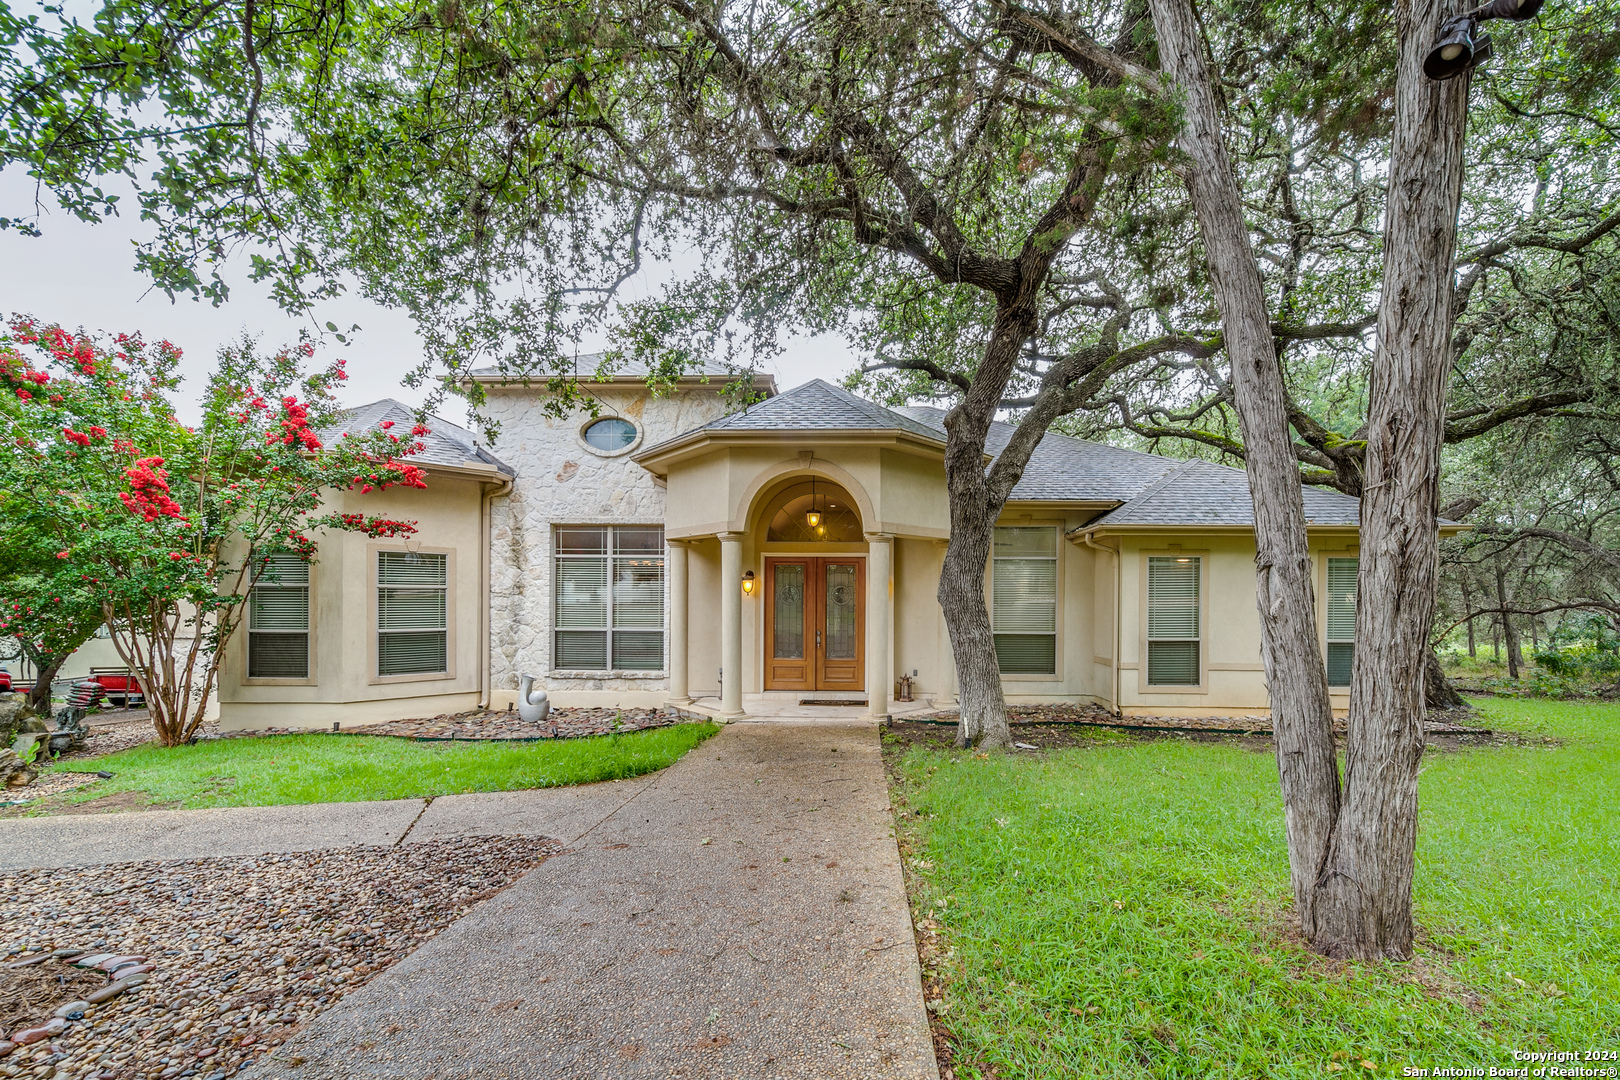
833 701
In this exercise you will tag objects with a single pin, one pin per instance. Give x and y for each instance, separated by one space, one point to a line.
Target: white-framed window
413 612
278 620
1341 620
1174 633
609 598
1023 599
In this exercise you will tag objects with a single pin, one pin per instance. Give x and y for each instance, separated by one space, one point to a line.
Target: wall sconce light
748 583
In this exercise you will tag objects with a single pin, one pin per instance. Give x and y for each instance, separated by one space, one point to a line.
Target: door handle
818 639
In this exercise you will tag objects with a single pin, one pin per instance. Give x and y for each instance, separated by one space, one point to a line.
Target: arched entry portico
816 619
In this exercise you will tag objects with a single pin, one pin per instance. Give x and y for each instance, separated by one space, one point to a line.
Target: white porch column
879 671
731 625
679 694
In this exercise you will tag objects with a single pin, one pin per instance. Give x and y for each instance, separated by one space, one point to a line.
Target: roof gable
820 406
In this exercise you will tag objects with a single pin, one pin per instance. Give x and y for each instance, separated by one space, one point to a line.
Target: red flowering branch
373 526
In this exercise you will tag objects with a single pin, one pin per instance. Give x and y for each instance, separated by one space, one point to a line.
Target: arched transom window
813 512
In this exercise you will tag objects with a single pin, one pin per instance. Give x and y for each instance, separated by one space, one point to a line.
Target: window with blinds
413 611
278 620
1023 599
1341 620
1173 631
609 598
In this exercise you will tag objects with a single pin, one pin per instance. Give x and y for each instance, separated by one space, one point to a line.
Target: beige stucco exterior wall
724 489
343 687
1233 674
921 644
1075 680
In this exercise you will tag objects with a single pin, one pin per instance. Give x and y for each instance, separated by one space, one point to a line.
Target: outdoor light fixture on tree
1460 46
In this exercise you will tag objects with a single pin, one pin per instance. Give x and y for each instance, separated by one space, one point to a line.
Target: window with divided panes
1173 619
278 620
1023 599
1341 620
609 590
413 613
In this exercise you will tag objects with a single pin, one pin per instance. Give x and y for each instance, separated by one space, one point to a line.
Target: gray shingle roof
1202 493
585 368
445 444
1154 490
1064 468
820 406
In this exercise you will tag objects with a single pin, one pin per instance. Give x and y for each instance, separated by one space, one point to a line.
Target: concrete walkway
90 839
741 914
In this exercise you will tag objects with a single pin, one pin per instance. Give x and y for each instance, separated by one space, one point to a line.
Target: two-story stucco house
670 551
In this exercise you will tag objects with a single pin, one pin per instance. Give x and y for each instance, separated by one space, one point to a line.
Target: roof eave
467 470
1131 529
1128 529
1063 504
760 380
657 459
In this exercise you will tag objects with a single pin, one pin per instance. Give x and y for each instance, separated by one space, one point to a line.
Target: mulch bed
1057 727
485 724
29 994
247 949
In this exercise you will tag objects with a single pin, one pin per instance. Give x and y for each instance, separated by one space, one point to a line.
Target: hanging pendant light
813 518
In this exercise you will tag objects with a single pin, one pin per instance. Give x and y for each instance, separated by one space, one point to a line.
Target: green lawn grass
313 768
1121 910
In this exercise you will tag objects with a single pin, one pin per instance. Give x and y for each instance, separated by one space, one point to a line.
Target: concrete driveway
741 914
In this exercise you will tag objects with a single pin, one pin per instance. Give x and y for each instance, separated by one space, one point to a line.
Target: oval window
610 434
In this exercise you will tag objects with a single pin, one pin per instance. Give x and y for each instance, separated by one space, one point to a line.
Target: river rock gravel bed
247 949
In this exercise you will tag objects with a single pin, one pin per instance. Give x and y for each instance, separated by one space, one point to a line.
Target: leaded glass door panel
789 624
839 663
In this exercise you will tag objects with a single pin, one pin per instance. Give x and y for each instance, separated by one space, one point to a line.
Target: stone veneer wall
562 482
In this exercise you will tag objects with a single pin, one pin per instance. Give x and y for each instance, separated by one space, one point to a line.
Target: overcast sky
81 275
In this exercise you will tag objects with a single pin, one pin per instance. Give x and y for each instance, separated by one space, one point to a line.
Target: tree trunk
1510 633
1364 896
1468 606
982 720
1296 677
45 669
1438 693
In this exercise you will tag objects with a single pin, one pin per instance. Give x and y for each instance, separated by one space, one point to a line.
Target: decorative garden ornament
532 704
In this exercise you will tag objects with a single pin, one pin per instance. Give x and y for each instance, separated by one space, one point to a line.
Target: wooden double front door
815 624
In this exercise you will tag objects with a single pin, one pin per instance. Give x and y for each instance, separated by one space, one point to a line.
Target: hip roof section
446 444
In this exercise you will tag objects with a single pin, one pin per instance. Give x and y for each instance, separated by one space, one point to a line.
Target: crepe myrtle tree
169 526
